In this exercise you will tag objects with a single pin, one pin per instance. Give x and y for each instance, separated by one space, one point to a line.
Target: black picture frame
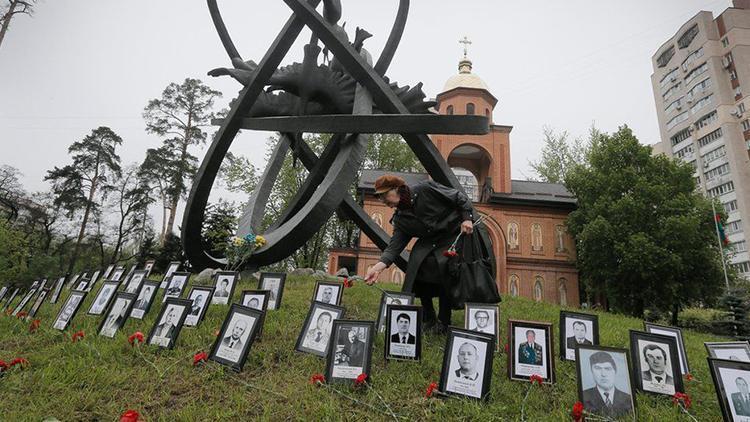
59 284
4 291
173 290
318 294
406 298
396 350
10 299
263 295
274 300
108 287
194 320
148 266
43 293
220 352
108 271
728 350
471 309
115 323
348 356
94 279
129 274
70 307
135 282
24 301
172 267
224 297
117 273
675 332
148 295
155 337
728 373
520 366
568 338
83 283
72 281
310 340
590 397
659 341
462 344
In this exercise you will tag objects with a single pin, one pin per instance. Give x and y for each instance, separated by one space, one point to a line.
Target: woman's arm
398 242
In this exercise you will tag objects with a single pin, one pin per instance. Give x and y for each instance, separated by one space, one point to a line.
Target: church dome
465 79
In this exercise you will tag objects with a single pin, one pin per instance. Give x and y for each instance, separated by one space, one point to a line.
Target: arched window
513 285
539 289
560 238
536 237
449 110
562 289
470 108
512 235
377 218
487 112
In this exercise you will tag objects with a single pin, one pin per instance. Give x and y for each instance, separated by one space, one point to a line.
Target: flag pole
721 246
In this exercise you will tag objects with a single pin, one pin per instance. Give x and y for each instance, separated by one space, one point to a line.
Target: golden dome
465 79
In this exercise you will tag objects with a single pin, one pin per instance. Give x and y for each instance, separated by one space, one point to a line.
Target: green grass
99 378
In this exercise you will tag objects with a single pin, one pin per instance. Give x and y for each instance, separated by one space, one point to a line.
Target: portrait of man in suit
175 287
482 322
353 353
467 361
223 290
317 337
402 336
67 313
234 340
116 318
326 296
165 330
656 378
195 310
579 335
605 398
529 352
143 299
741 399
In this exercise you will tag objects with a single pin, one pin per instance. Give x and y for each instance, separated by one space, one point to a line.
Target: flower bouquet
240 249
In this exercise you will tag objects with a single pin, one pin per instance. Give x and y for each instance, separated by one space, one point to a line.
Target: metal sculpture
346 96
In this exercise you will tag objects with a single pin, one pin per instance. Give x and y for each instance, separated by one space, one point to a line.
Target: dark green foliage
219 225
170 250
736 303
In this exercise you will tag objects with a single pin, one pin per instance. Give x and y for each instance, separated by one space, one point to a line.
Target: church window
536 237
560 238
449 110
470 108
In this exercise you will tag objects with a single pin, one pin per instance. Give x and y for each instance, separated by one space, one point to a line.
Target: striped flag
720 228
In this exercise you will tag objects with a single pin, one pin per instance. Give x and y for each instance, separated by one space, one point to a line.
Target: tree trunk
92 192
6 20
675 313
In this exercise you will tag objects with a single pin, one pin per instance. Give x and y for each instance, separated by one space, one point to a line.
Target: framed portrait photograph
732 384
24 301
94 279
483 318
4 291
135 282
130 273
69 310
274 283
200 296
316 332
328 292
604 384
38 303
467 363
729 350
73 281
656 363
392 298
530 344
171 268
148 266
255 299
238 331
57 289
176 284
117 314
675 332
117 273
108 271
577 329
224 282
169 322
145 299
82 284
403 332
351 351
103 297
10 298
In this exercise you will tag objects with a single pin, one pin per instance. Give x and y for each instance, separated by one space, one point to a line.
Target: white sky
77 65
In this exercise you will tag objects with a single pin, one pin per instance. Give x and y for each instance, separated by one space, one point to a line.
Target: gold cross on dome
465 41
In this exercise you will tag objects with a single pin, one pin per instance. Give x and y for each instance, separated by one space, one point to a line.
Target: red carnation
361 380
682 397
536 379
431 389
130 416
199 357
21 314
577 412
507 348
689 377
348 283
3 366
77 336
135 336
450 253
317 379
34 325
19 361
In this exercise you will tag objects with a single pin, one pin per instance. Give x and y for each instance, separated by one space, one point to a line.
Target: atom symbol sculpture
346 96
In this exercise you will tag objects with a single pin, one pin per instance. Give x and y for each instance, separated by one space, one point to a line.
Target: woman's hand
374 272
467 227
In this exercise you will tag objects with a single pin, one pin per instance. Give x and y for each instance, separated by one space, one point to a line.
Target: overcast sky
77 65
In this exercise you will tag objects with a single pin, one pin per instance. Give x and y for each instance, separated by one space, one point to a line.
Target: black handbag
472 279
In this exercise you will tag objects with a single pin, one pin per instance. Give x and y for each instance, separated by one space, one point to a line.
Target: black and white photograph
732 384
328 292
57 290
94 279
82 284
316 332
237 334
169 322
274 283
675 332
117 314
392 298
103 297
577 329
117 273
148 266
73 280
145 299
38 303
656 365
4 291
69 310
255 299
530 344
224 282
483 318
135 282
351 351
201 297
24 301
403 332
604 384
729 350
467 363
171 268
177 283
10 298
108 271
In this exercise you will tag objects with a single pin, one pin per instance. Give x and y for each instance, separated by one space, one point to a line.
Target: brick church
526 220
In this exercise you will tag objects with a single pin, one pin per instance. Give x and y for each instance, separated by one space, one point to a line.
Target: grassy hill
99 378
